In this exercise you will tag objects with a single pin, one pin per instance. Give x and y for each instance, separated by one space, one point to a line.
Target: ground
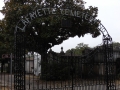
32 83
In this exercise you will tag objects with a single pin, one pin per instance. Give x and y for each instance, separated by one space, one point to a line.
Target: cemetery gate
94 70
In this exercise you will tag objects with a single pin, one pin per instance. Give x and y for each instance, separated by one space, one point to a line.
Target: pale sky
108 13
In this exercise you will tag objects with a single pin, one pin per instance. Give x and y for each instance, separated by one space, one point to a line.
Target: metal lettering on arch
27 19
83 70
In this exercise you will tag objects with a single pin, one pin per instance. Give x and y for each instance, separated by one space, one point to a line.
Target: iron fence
61 72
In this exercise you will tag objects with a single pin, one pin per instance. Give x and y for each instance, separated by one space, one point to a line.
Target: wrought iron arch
19 77
108 58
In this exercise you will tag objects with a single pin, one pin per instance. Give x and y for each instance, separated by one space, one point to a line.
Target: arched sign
40 12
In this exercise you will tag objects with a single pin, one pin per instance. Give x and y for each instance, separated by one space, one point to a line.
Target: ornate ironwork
19 61
108 58
80 69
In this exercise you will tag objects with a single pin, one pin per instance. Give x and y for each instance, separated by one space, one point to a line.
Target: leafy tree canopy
5 40
78 49
116 45
47 31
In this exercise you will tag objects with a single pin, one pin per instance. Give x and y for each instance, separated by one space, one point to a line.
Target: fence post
109 63
72 67
19 61
11 69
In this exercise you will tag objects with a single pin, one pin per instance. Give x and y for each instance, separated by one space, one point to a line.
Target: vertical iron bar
33 69
4 75
72 67
28 74
11 70
106 64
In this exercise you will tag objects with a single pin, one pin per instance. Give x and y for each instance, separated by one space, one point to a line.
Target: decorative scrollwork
105 33
108 58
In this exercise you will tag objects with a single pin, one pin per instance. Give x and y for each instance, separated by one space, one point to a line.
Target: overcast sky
108 13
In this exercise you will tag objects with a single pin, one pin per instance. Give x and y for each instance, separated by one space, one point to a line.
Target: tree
45 32
78 49
116 45
5 40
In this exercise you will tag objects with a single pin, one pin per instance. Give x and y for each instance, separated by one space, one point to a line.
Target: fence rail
63 73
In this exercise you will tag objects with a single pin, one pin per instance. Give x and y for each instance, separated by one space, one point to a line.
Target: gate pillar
109 64
19 61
